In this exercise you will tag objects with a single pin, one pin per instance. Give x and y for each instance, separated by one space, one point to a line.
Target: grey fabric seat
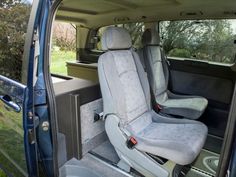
127 108
156 66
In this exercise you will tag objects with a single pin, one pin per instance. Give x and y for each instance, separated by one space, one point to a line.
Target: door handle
8 102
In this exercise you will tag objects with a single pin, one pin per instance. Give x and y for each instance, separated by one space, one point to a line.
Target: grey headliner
95 13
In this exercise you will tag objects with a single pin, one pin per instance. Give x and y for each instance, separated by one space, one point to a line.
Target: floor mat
195 173
205 165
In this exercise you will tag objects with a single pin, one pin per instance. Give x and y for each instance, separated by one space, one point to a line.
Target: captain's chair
191 107
133 128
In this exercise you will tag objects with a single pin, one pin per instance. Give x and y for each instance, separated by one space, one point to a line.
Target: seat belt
156 106
165 66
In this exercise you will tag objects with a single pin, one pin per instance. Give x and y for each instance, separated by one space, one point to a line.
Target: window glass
14 16
209 40
63 47
135 29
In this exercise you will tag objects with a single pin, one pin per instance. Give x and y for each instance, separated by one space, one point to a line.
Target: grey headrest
150 37
116 38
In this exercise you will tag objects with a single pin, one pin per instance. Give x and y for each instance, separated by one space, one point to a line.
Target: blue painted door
22 92
13 161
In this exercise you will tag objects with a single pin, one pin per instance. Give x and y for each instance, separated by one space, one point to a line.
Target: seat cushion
178 140
188 107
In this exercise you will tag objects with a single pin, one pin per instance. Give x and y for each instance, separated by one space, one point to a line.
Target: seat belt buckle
131 142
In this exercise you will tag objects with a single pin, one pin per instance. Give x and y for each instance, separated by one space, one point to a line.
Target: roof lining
92 14
121 3
70 19
68 9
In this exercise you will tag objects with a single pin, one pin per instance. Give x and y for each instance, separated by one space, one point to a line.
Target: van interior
86 146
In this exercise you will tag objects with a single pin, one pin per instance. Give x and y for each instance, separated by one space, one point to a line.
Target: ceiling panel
102 12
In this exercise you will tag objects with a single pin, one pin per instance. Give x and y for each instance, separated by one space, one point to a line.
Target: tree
136 30
14 16
218 41
64 36
8 3
210 40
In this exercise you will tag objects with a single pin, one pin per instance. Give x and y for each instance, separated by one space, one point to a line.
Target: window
135 29
63 47
207 40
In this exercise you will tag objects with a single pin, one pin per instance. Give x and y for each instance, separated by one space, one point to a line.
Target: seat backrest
124 84
155 65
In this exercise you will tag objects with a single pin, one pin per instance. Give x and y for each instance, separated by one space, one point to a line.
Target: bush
179 53
14 20
64 36
65 44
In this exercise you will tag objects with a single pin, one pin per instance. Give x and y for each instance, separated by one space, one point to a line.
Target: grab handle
6 99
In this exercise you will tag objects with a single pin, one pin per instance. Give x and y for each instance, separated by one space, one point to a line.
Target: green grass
59 59
11 138
2 174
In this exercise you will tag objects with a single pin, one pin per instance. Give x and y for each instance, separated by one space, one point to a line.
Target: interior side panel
198 84
214 82
71 95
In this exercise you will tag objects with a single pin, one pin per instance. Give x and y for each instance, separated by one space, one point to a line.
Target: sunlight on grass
59 59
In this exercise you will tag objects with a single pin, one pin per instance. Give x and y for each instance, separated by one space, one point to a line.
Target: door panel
214 82
198 84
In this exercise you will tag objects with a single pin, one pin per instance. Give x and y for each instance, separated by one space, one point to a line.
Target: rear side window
135 29
206 40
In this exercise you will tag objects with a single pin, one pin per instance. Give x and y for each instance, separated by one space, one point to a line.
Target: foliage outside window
14 16
64 36
209 40
63 47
